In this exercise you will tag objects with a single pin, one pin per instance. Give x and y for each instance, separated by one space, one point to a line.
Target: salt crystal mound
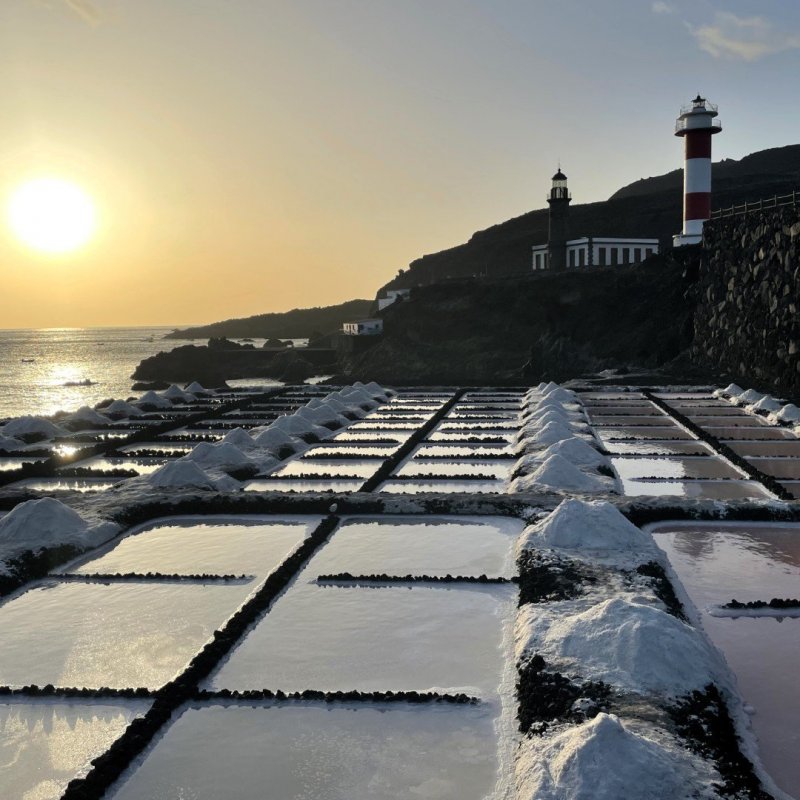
151 398
558 475
298 426
335 403
789 414
749 397
576 451
240 437
120 408
220 454
274 439
731 390
535 421
180 473
561 395
629 644
595 528
602 760
379 392
85 416
175 392
322 415
48 522
32 426
359 397
196 388
766 403
550 434
549 387
533 426
10 444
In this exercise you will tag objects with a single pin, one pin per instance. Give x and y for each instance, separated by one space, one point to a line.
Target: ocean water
105 356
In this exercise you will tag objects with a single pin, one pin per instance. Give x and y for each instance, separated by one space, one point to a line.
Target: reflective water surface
308 752
421 546
719 562
424 638
44 744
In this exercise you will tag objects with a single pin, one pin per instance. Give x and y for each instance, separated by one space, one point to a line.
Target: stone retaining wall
748 296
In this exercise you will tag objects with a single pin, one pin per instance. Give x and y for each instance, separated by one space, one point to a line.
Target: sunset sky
245 156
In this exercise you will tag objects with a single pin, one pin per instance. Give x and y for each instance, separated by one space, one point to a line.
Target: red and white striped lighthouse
696 124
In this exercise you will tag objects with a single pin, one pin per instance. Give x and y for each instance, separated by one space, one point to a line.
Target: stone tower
559 201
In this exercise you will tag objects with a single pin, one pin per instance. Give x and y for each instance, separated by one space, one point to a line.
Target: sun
51 215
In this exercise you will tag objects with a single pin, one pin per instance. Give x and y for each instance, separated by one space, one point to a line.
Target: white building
598 251
392 296
363 327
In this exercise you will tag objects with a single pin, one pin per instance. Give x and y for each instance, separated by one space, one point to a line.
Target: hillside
560 324
648 208
299 323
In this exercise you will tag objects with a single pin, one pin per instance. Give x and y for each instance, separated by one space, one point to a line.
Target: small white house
392 296
363 327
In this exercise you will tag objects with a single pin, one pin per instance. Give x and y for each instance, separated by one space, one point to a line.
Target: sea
41 369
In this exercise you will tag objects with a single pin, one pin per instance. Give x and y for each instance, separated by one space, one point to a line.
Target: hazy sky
257 155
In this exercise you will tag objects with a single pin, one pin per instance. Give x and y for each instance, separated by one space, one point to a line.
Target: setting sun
51 215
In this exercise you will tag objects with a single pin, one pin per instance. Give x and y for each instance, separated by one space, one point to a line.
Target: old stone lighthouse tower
559 200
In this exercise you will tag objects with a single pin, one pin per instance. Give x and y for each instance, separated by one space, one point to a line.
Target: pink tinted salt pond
718 562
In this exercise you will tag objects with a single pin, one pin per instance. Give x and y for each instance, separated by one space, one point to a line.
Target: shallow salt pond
761 433
310 752
779 467
440 468
488 436
44 744
647 420
653 447
675 467
396 424
67 484
464 450
365 450
742 421
446 637
443 487
717 562
346 468
646 409
766 449
118 635
324 485
477 425
163 447
665 432
141 466
10 463
699 489
373 435
202 545
462 546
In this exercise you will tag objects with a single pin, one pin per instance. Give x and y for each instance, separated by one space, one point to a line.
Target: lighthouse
559 200
696 124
